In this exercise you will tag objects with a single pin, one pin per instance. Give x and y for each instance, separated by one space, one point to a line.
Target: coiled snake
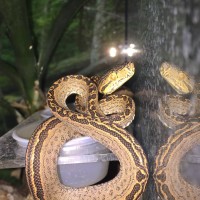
181 115
44 145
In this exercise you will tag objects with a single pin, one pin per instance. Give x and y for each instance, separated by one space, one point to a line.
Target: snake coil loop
181 115
48 138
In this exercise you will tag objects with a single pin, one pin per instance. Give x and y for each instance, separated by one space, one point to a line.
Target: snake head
115 78
179 80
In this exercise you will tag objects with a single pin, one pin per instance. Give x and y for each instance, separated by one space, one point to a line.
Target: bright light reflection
112 52
132 46
131 52
128 50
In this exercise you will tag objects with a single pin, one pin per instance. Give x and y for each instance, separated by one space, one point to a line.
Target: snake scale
182 116
90 120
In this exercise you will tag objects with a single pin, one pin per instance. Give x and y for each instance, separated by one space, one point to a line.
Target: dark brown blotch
140 176
134 191
166 190
161 177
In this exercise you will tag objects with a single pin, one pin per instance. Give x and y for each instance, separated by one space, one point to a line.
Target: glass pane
52 39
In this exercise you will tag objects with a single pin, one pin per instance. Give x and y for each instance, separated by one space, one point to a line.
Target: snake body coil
44 146
181 115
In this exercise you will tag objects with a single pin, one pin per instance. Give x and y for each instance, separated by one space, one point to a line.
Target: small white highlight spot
112 52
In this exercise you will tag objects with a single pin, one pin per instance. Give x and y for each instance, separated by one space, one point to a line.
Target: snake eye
181 75
113 76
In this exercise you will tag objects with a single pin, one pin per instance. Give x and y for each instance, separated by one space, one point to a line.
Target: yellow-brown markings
180 81
180 114
115 78
169 181
47 140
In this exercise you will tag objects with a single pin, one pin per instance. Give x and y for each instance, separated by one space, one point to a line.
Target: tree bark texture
166 31
97 32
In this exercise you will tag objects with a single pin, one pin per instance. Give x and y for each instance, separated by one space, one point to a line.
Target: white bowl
22 134
79 161
46 113
82 174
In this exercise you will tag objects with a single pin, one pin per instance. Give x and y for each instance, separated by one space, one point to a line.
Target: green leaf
11 72
61 23
15 17
7 116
